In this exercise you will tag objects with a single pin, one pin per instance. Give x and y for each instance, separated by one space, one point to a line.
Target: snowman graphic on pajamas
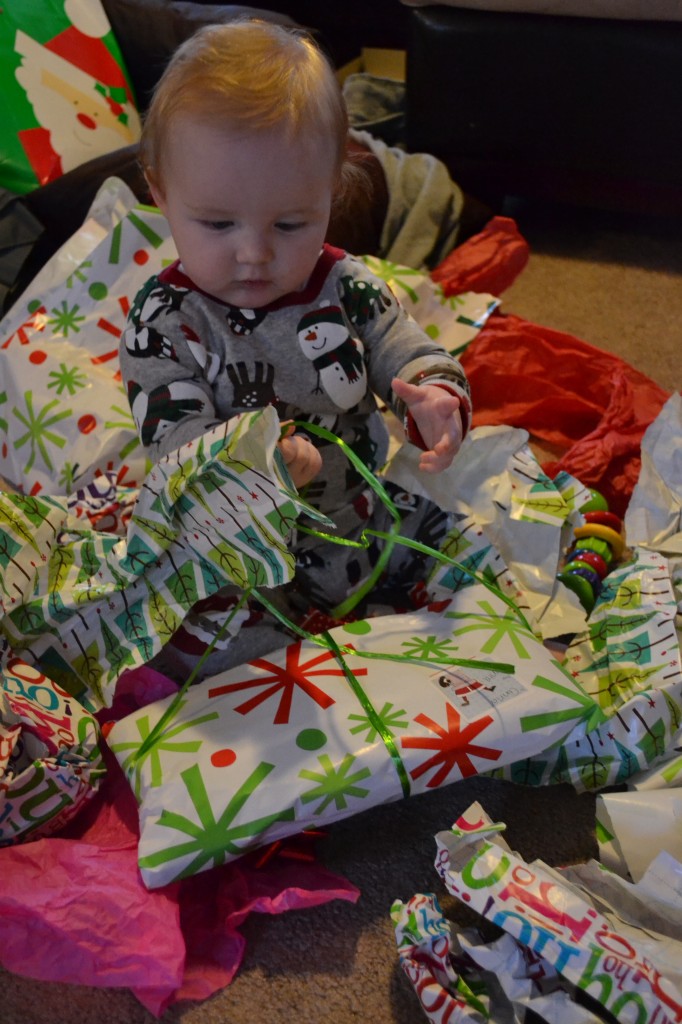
336 357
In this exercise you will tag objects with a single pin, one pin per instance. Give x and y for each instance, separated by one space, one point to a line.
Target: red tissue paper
589 406
487 262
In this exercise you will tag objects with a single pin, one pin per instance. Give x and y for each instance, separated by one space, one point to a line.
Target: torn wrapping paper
651 805
50 761
63 408
516 523
452 320
573 940
87 605
654 516
628 659
624 818
292 740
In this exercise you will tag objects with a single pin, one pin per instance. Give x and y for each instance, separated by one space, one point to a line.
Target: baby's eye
217 225
288 226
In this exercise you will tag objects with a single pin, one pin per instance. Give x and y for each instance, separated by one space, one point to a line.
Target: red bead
594 560
604 519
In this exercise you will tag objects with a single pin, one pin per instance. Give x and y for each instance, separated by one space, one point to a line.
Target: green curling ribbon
373 717
494 666
392 538
342 609
329 643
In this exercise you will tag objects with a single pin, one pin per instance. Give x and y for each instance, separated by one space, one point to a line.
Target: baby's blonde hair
248 75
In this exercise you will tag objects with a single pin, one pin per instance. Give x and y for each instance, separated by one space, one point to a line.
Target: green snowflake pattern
449 301
67 379
390 720
429 648
134 763
68 475
334 785
396 275
66 319
125 423
38 430
213 840
499 627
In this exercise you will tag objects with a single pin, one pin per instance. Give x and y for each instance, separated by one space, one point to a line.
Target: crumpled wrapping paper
109 821
63 409
301 761
651 806
50 760
580 931
88 604
516 522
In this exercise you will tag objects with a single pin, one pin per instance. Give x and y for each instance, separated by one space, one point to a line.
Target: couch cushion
647 10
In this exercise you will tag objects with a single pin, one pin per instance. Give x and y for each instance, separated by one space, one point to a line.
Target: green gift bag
67 95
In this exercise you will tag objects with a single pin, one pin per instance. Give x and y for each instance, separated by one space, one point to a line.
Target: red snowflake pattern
284 679
453 744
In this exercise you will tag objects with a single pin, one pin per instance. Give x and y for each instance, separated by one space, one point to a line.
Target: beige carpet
614 282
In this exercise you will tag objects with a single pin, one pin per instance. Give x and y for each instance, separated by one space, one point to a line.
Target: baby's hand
437 415
302 458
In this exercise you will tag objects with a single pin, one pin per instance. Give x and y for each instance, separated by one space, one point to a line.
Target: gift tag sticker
485 690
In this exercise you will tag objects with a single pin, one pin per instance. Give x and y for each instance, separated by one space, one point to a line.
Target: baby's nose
254 248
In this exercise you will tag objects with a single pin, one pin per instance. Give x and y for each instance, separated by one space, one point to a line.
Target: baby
245 150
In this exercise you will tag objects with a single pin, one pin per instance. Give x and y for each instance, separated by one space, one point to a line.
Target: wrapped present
50 760
67 94
370 712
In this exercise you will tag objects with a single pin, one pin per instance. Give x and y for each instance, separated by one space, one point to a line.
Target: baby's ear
155 188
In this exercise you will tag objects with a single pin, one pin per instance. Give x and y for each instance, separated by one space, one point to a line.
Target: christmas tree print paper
628 659
87 605
67 97
285 742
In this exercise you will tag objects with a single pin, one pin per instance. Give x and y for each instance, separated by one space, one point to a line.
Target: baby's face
248 211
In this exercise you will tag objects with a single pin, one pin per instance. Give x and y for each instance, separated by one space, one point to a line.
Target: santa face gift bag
67 96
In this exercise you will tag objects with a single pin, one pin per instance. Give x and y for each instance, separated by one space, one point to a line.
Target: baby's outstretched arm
436 413
302 458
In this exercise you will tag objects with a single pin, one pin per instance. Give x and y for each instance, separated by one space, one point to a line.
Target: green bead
596 544
581 587
597 502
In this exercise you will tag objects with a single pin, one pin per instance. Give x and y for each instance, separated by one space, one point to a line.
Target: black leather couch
580 110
